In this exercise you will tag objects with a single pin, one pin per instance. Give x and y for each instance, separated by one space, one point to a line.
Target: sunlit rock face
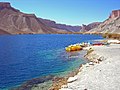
70 28
65 27
110 25
5 5
15 22
90 26
115 14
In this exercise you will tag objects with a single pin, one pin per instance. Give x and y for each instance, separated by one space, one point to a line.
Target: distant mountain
111 25
69 28
53 24
90 26
12 21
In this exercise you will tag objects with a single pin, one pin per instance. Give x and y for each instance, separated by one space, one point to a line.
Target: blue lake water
23 57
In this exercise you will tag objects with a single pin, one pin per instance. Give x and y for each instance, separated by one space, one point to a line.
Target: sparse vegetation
111 35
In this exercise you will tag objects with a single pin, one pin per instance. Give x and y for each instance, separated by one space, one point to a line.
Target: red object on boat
98 44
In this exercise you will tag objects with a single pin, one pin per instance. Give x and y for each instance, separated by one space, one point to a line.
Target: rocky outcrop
115 14
65 27
90 26
5 5
12 21
3 32
111 25
69 28
15 22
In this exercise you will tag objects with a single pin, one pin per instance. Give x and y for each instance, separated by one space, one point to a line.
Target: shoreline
46 82
59 80
95 59
98 72
63 81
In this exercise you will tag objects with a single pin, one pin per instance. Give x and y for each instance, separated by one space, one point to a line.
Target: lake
23 57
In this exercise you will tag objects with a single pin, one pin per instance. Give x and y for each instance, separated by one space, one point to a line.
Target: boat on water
73 48
76 47
98 44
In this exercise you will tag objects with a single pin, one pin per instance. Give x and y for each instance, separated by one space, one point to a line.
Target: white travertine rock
65 89
72 79
102 76
91 63
113 41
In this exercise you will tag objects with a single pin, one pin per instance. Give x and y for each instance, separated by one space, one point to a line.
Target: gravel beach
102 76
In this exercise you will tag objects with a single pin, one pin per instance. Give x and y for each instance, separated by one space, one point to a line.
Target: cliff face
69 28
5 5
115 14
111 25
88 27
3 32
14 22
65 27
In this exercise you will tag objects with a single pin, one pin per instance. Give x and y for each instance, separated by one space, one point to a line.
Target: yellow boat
73 48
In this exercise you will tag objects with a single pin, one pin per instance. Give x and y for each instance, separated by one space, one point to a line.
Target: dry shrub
111 35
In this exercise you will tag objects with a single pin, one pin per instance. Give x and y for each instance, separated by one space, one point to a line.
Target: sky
71 12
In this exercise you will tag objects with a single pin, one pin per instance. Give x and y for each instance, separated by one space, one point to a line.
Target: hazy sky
74 12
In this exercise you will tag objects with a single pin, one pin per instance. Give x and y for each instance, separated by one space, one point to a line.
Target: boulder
72 79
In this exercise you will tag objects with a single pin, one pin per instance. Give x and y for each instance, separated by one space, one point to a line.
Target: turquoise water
23 57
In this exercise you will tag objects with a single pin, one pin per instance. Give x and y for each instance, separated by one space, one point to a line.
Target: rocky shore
102 73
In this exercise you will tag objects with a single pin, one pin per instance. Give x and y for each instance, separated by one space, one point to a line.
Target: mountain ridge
110 25
69 28
13 21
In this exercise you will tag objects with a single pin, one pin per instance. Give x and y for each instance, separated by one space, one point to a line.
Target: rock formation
12 21
5 5
90 26
115 14
65 27
3 32
111 25
69 28
15 22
